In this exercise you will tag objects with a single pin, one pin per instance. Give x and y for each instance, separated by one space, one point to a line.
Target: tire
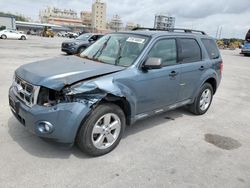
81 49
93 129
3 36
23 38
205 93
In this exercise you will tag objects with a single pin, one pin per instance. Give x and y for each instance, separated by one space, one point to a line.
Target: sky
233 16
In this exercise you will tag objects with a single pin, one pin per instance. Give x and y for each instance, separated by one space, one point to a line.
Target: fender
92 92
207 75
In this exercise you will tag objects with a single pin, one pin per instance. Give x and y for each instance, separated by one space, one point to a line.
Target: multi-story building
115 23
86 18
99 15
164 21
62 17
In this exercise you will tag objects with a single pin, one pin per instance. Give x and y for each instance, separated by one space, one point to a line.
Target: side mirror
91 40
152 63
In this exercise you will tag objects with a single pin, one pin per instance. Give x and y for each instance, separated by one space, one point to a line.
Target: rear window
190 51
211 48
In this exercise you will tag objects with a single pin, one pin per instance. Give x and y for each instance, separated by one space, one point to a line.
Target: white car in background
12 34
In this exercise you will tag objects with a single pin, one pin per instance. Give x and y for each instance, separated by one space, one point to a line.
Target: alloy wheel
205 99
106 131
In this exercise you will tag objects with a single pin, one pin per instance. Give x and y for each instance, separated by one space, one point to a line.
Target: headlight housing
48 97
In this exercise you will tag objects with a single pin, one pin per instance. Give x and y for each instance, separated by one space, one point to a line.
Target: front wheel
23 38
81 49
102 131
3 36
203 100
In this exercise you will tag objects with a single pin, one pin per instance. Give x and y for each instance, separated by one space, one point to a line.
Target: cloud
206 15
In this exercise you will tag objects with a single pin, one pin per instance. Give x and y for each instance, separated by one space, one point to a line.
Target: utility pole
220 31
217 32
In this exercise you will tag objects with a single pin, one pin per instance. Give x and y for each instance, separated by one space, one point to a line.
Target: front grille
65 45
25 91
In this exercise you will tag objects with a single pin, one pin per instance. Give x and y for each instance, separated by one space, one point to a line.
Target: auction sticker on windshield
136 40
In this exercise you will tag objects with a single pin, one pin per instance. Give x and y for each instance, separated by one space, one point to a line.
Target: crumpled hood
58 72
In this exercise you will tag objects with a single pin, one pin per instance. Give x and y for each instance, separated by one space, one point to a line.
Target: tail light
221 67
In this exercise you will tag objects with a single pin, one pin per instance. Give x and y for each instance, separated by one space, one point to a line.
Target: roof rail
170 30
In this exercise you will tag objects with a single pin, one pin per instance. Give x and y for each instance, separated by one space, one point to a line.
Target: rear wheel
3 36
203 100
102 131
23 38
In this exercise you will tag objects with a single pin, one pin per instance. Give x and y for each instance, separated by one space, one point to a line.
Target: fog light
45 127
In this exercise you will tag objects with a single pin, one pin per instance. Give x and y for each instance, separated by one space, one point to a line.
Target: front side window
165 50
94 37
190 51
116 49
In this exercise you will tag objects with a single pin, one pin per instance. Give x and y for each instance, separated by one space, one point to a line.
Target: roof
175 31
163 33
7 16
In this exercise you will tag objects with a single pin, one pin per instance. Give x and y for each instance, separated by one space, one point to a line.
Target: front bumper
65 118
69 49
245 51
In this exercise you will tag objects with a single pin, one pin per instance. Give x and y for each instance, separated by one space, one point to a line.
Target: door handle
173 74
202 68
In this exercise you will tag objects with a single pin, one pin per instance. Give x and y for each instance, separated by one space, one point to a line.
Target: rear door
214 55
192 66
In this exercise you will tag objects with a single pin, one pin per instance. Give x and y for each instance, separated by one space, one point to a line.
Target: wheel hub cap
106 131
205 99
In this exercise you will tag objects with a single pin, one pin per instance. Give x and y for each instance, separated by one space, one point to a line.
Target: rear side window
211 48
190 51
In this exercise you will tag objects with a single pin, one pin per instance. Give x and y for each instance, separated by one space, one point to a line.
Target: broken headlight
48 97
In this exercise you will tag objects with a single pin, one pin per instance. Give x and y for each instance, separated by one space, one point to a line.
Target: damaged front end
83 92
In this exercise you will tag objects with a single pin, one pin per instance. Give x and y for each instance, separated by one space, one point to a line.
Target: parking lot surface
174 149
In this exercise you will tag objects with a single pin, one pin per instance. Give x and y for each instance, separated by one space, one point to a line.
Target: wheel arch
81 46
212 81
122 102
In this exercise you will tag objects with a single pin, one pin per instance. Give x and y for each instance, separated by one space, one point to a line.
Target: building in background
131 25
115 23
63 17
99 16
86 18
164 21
7 22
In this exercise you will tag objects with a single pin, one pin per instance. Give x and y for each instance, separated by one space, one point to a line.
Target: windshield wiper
118 53
100 50
97 60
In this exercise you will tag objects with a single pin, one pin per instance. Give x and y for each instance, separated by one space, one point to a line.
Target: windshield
116 49
84 37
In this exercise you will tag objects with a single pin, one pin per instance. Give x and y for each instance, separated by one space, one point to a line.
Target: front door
157 88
